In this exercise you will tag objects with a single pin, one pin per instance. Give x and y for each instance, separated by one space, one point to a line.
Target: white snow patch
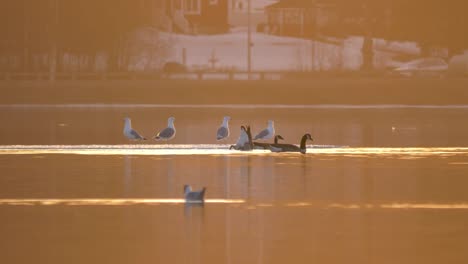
270 52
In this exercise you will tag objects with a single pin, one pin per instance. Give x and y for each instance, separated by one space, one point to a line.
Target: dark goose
259 145
290 147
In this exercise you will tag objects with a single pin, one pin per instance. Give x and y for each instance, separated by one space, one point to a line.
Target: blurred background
78 39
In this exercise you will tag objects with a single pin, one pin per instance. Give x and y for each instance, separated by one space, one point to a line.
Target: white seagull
129 132
169 132
266 133
223 130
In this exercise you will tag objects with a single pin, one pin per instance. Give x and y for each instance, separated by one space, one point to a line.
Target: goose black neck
303 141
249 135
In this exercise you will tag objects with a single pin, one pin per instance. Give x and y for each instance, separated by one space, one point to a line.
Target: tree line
29 28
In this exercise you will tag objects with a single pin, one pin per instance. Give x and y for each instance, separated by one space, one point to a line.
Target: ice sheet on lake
223 149
109 201
235 202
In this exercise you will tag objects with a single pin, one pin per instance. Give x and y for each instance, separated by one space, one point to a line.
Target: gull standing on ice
266 133
129 132
169 132
223 130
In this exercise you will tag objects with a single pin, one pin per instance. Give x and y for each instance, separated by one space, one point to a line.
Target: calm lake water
378 185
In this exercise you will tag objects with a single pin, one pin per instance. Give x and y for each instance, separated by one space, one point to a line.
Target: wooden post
301 10
249 41
213 59
25 38
313 40
53 51
281 22
262 76
184 57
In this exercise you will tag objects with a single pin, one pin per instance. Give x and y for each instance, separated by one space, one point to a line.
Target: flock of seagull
166 134
245 142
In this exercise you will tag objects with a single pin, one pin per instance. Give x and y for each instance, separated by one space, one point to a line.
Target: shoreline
319 91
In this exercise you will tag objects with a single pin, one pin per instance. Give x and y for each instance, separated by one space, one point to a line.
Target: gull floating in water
290 147
169 132
129 132
245 140
194 196
223 130
266 133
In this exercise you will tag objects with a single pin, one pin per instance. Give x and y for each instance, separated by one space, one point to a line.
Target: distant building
299 18
238 12
193 16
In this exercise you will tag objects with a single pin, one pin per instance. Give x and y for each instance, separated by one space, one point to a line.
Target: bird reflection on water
191 208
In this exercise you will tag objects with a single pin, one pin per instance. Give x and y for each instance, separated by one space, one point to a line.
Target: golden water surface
376 186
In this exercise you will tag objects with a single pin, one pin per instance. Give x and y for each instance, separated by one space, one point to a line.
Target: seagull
194 196
129 132
169 132
266 133
245 140
223 130
292 148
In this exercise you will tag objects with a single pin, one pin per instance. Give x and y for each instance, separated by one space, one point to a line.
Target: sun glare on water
207 149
